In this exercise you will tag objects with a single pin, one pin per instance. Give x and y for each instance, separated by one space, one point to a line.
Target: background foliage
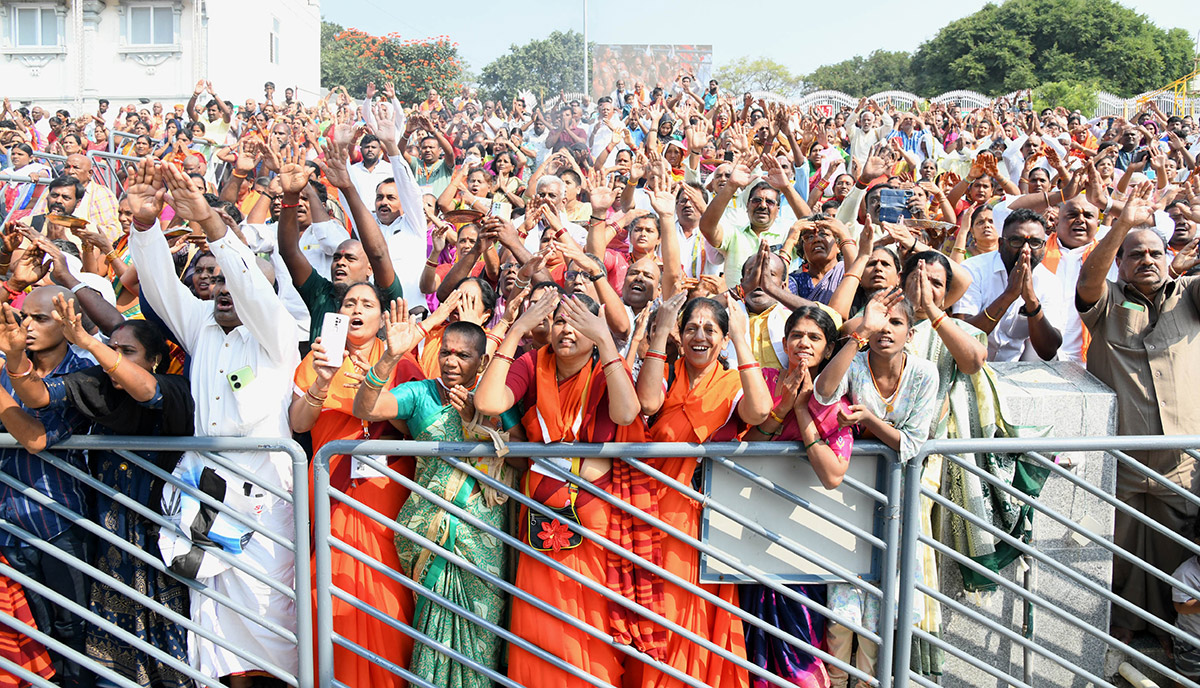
351 58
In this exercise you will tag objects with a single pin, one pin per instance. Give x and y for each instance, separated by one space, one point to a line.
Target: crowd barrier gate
218 451
898 499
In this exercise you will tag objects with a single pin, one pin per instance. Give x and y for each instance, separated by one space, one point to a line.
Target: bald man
98 205
36 356
1144 346
1073 240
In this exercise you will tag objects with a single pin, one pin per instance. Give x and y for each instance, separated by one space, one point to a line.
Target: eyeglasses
1017 243
764 201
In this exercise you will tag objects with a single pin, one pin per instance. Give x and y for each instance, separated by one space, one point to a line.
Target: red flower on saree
555 535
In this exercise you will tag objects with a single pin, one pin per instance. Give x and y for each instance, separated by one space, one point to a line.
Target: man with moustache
1013 297
1144 346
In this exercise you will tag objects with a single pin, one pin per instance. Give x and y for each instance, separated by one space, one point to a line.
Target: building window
274 41
151 25
35 27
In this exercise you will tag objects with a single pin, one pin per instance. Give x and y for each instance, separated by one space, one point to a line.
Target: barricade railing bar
1039 453
367 451
897 538
125 448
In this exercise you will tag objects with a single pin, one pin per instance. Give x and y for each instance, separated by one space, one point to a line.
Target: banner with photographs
651 65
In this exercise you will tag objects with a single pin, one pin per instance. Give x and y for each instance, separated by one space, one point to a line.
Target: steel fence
106 169
1029 632
215 452
885 499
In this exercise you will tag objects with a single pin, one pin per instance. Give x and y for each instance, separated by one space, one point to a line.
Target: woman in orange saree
576 389
323 404
691 401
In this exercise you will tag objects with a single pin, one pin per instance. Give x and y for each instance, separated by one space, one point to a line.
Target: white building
71 53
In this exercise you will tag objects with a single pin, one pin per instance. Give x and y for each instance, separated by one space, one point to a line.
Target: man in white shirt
867 131
368 174
401 215
318 242
1013 297
603 131
548 210
243 350
699 256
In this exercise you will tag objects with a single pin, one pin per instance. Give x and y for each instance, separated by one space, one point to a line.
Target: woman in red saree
323 404
689 402
576 389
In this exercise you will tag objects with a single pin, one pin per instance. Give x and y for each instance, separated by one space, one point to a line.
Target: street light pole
585 48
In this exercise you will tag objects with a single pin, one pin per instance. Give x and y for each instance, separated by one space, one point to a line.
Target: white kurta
265 345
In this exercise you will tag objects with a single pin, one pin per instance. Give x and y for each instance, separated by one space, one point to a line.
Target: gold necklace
888 402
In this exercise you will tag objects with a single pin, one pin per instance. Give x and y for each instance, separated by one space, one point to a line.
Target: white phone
333 337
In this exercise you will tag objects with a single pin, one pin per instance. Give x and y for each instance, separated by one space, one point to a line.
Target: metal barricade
1076 647
215 451
49 156
106 169
882 538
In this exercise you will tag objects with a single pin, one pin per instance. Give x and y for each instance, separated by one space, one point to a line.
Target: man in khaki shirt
1145 347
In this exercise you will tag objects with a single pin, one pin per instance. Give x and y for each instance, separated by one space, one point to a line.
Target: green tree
544 67
760 74
882 70
352 58
1072 95
338 65
1023 43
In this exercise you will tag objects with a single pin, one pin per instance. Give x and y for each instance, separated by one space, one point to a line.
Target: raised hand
594 327
536 313
876 313
402 332
334 166
1187 258
185 197
293 173
463 401
470 308
662 196
12 332
144 191
602 194
1139 207
70 322
775 174
385 122
872 169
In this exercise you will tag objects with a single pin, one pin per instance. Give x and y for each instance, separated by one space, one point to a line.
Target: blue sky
751 28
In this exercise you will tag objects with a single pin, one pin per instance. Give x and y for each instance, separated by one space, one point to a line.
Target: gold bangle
308 400
851 274
110 371
989 315
320 401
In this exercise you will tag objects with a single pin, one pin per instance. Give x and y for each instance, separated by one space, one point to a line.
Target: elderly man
1013 297
868 130
98 205
1144 345
763 205
243 349
548 209
1073 240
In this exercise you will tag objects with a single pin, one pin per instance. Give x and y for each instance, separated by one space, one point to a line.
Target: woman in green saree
968 406
442 410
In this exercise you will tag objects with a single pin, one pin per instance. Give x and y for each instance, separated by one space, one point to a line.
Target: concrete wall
1078 405
226 41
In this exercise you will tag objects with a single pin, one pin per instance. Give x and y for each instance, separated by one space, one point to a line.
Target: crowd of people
664 264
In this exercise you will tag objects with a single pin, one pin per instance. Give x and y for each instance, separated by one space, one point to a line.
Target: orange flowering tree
351 58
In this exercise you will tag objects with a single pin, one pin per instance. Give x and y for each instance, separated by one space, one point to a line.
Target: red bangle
504 357
617 361
431 263
655 354
288 205
140 226
494 338
939 321
748 366
421 327
11 292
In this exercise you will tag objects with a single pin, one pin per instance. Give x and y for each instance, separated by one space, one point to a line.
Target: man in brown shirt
1145 347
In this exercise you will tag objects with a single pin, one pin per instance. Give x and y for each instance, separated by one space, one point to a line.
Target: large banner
652 65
